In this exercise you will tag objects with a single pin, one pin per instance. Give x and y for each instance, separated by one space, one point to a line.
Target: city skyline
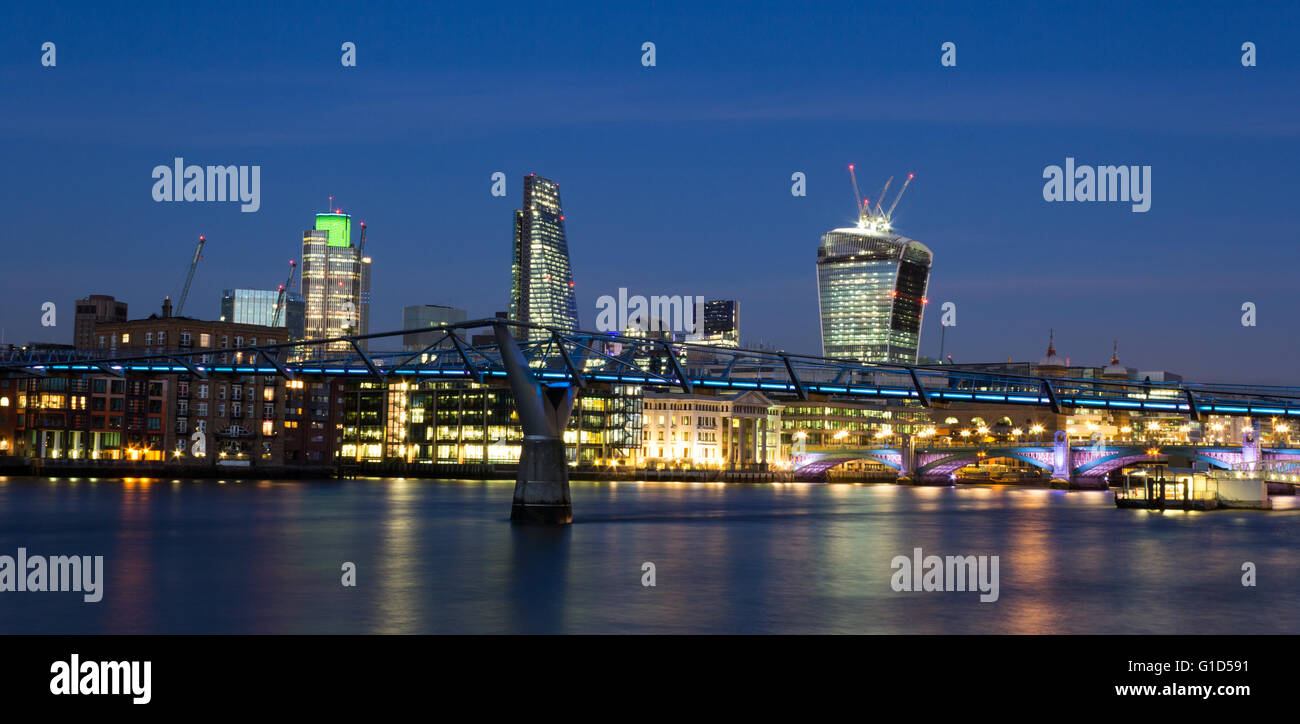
664 175
336 223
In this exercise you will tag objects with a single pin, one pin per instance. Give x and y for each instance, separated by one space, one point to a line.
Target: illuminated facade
856 424
466 423
143 418
335 281
541 289
734 432
721 325
871 286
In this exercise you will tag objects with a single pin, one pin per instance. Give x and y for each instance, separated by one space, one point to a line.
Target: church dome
1115 370
1051 360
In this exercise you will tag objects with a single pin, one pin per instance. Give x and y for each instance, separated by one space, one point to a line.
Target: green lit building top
339 227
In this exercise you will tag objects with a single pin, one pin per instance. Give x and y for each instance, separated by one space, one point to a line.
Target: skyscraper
363 320
541 289
257 306
334 277
871 285
721 324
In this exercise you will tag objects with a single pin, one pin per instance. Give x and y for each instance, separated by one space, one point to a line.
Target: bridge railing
567 356
1276 470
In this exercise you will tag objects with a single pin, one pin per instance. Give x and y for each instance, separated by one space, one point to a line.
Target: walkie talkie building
871 286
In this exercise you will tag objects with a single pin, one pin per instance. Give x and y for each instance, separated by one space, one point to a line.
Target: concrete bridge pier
542 484
907 461
1062 468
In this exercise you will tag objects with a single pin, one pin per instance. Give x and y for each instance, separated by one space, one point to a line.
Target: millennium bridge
544 367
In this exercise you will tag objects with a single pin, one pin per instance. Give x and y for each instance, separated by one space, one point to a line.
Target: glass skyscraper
257 306
721 324
335 280
541 288
871 286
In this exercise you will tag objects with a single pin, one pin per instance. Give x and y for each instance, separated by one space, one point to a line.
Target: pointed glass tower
541 290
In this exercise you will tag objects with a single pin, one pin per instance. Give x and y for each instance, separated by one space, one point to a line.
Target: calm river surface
442 557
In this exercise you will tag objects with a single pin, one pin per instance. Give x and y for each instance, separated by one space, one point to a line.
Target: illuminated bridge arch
944 464
818 463
1096 466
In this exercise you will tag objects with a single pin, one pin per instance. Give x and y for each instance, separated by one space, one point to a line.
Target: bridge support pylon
907 461
542 483
1062 463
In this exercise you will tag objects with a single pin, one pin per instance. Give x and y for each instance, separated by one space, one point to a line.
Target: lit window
126 338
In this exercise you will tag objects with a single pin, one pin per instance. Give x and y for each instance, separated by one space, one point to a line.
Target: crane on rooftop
198 255
279 301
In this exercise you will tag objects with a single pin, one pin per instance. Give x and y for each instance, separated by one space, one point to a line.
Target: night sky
676 179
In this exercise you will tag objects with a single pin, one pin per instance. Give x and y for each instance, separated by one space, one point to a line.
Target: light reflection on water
441 556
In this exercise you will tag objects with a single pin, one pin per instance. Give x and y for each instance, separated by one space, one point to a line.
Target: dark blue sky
676 179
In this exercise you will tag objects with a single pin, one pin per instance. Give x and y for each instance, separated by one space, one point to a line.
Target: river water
442 557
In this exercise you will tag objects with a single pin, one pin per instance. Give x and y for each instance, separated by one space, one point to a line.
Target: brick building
235 417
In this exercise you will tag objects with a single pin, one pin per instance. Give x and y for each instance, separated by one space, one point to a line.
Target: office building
738 431
92 309
335 277
258 306
721 324
541 289
428 315
871 287
459 422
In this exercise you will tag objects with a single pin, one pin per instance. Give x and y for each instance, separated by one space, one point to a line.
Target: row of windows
186 339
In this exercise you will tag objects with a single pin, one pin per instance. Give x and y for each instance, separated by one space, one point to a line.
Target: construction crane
279 301
198 254
857 195
890 214
883 192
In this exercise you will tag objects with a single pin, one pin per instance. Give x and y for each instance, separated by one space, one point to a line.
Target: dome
1051 359
1115 370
